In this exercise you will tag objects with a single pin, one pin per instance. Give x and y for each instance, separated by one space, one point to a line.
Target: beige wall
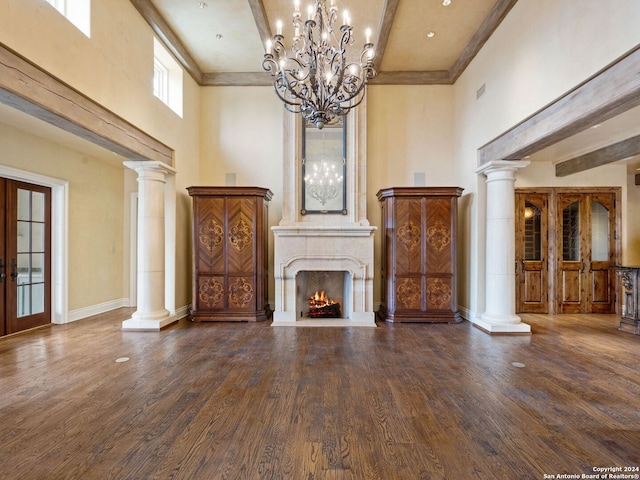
95 240
543 49
115 68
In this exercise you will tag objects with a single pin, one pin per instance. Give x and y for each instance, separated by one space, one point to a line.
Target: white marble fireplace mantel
346 248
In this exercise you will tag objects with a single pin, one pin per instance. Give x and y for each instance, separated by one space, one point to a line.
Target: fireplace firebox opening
323 294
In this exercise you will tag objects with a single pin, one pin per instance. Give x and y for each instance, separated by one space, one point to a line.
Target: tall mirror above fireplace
324 169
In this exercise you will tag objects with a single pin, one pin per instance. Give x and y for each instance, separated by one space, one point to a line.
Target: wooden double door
25 258
566 248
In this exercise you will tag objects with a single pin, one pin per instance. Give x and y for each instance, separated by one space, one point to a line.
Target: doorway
25 256
566 247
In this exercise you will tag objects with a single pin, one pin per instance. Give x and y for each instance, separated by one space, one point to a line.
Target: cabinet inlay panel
438 294
409 294
240 235
212 293
240 293
409 235
211 235
439 236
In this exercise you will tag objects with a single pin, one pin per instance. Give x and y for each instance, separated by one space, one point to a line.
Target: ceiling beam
439 77
489 25
26 87
260 17
384 30
611 153
164 32
237 79
612 91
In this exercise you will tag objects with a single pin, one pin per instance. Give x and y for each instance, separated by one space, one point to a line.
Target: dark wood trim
612 91
26 87
611 153
384 29
637 178
164 32
489 25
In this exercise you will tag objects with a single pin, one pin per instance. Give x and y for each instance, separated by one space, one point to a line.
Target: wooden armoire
230 253
419 254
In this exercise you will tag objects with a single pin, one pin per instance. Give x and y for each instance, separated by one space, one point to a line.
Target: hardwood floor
247 401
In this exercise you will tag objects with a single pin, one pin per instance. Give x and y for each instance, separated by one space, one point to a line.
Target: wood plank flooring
248 401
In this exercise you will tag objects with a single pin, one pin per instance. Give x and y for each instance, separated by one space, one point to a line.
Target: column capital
147 167
504 166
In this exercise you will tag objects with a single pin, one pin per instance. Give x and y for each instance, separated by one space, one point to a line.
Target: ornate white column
151 313
500 309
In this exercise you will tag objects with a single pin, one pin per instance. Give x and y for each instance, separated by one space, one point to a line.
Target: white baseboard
85 312
467 314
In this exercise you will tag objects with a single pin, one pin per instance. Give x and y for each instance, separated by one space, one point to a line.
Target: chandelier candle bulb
279 27
310 12
345 18
367 34
269 47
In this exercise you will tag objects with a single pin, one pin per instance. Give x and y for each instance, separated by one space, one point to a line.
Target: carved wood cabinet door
419 249
229 253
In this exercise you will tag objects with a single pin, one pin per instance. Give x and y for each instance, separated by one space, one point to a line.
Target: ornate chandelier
314 77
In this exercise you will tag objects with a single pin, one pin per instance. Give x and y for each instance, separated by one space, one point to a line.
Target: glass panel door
28 211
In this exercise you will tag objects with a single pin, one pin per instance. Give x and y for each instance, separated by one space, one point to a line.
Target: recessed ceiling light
446 3
596 126
431 34
203 5
218 36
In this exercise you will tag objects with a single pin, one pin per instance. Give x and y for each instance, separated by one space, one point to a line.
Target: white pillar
151 313
500 308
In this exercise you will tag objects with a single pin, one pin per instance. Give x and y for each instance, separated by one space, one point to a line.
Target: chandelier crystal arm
313 77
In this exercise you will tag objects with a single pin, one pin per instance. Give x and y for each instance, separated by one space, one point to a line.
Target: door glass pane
23 268
37 298
532 227
37 237
37 267
24 300
24 208
23 236
37 206
599 232
571 233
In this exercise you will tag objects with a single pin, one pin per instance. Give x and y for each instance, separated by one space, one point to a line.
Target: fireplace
324 251
322 294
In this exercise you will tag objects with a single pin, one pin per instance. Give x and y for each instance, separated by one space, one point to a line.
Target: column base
501 324
148 322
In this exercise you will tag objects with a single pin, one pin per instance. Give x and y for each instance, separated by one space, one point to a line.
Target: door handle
582 268
2 274
14 269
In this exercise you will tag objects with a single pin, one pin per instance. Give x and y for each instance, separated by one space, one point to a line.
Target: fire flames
320 305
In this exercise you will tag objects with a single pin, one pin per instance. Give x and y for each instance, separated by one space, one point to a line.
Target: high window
167 77
77 12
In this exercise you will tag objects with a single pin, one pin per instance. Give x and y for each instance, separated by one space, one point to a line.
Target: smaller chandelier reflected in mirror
324 169
314 77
